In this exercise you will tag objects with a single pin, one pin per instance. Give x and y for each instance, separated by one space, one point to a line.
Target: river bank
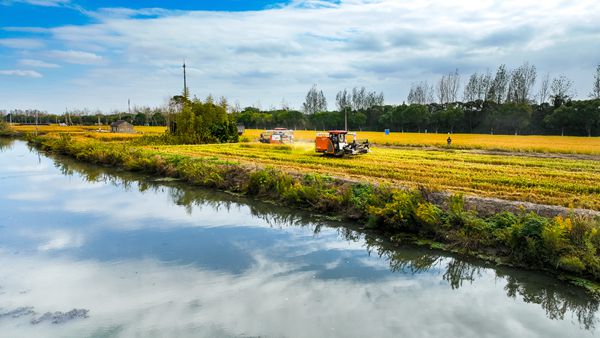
563 245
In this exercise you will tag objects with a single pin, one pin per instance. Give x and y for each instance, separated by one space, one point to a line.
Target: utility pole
129 106
185 93
345 119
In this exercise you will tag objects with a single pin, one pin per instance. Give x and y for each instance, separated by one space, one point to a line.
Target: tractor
335 143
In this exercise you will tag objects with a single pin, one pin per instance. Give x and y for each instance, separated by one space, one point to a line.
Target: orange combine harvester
335 143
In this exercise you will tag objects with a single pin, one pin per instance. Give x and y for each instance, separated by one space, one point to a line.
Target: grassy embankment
563 244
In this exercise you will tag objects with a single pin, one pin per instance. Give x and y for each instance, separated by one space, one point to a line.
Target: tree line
503 102
506 101
139 116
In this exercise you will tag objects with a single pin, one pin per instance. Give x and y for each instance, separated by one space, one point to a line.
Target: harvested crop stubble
565 182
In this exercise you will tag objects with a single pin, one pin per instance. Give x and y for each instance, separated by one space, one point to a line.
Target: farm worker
449 140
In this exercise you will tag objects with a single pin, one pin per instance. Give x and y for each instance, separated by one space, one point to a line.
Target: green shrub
3 126
456 204
268 181
399 213
571 263
503 220
525 239
554 239
428 216
361 196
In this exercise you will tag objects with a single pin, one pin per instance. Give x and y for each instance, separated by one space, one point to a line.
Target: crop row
565 182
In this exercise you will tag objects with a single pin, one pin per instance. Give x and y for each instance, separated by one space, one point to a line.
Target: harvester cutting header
335 143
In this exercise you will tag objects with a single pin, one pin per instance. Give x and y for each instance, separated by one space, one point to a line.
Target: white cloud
270 299
76 57
279 53
22 73
21 43
37 63
29 196
43 3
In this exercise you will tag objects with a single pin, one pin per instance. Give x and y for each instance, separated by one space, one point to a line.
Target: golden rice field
545 144
554 181
55 128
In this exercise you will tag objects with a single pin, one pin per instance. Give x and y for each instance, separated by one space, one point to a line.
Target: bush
571 263
3 126
268 181
429 216
525 239
399 213
360 197
554 238
503 220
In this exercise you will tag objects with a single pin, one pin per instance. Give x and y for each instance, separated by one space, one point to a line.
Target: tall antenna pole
129 106
185 93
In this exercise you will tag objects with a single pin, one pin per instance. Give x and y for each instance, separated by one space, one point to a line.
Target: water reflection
557 299
5 143
149 257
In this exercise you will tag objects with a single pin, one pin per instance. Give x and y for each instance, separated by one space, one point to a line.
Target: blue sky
57 54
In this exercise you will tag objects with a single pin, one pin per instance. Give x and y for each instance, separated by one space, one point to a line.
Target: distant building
121 127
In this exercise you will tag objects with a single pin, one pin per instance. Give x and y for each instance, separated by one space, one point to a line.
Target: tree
483 85
418 115
139 119
560 118
586 114
203 122
544 89
447 87
315 101
452 115
497 88
363 100
521 82
470 91
420 93
595 93
517 115
561 91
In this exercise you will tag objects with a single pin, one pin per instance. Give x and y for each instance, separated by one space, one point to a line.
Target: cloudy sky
57 54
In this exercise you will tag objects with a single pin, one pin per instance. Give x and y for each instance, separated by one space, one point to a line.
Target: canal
88 251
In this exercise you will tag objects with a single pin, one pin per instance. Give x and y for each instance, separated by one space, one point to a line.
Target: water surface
151 258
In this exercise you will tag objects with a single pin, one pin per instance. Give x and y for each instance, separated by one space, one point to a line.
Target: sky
76 54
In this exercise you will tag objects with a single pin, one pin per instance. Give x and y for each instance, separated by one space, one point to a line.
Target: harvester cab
336 143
